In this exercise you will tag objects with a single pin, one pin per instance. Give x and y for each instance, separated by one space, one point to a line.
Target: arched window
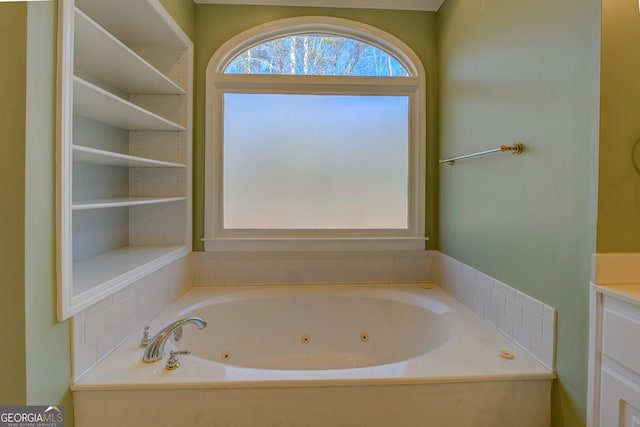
317 55
314 139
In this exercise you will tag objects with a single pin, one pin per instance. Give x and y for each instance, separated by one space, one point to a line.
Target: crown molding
418 5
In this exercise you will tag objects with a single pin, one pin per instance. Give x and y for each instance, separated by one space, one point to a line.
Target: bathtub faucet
155 348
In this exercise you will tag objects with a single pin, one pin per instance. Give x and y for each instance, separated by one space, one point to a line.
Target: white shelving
99 53
99 275
97 104
124 146
108 158
120 202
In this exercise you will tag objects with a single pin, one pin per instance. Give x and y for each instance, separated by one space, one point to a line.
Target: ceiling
423 5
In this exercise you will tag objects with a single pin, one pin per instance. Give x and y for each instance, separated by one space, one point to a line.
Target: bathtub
406 355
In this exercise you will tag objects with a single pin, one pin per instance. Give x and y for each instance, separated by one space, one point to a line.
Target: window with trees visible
314 139
317 54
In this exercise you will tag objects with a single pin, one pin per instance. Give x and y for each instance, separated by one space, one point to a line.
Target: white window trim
217 83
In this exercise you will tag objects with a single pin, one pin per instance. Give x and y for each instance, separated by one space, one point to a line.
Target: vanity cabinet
614 380
124 146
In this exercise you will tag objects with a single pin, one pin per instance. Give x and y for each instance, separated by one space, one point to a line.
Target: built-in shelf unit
124 146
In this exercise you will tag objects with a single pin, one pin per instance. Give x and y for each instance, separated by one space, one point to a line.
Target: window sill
213 244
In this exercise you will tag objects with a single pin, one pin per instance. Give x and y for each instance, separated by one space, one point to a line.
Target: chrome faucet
155 349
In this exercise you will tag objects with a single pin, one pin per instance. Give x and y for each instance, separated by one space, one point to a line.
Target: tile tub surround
465 382
101 328
98 330
525 320
267 268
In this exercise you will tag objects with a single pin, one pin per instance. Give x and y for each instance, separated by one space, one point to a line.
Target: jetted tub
318 356
292 329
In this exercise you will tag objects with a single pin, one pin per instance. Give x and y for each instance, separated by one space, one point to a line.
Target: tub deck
472 354
463 383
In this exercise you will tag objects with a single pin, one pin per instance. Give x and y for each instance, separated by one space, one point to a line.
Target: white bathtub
316 328
319 356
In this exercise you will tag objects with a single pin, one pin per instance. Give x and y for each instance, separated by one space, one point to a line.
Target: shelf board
94 276
120 202
97 104
136 23
102 55
109 158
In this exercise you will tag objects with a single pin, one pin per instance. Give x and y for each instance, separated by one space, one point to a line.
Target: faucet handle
173 362
145 337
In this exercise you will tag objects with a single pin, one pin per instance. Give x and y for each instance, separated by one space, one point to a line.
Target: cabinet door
620 401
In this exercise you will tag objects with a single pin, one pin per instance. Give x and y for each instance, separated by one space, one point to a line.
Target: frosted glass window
315 161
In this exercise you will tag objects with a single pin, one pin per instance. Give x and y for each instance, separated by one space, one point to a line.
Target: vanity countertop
627 292
617 275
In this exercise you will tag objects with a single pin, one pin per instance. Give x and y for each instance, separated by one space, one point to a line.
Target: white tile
77 323
429 268
378 270
499 303
525 320
491 316
549 324
505 290
114 322
468 294
477 304
484 292
437 267
504 325
513 311
93 328
494 309
122 295
98 308
523 337
330 272
529 302
105 344
543 351
130 306
448 268
113 316
532 322
405 270
212 274
84 359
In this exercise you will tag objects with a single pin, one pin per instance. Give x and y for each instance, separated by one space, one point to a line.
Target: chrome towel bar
515 149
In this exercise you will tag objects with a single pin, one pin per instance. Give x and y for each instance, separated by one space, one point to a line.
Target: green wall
13 64
38 362
183 11
215 24
525 71
48 342
619 187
